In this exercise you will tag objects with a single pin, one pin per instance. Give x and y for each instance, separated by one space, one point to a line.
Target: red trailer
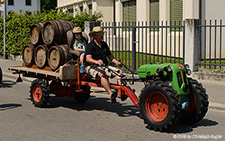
66 81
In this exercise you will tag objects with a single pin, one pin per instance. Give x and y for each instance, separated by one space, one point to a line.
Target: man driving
97 53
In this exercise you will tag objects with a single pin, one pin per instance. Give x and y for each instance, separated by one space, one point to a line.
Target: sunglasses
99 34
76 34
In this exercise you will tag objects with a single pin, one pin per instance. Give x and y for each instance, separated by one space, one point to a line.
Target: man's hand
117 63
99 62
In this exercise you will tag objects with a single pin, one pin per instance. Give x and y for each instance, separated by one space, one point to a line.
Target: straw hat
77 30
96 30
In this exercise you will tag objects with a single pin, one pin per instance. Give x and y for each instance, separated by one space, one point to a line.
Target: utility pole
4 28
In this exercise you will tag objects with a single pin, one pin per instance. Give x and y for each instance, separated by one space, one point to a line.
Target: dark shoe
113 97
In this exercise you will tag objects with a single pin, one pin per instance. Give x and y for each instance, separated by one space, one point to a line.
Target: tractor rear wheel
159 106
80 97
198 103
39 93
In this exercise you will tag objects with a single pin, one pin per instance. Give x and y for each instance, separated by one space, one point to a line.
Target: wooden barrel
72 25
55 31
28 55
67 56
70 38
36 33
41 56
58 55
84 37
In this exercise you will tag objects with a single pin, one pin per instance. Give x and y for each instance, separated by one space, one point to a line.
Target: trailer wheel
198 103
0 75
159 106
82 97
39 93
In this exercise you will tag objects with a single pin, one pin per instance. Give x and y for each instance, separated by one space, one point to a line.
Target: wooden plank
67 72
27 70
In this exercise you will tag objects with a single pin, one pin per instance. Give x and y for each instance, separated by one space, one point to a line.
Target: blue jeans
81 52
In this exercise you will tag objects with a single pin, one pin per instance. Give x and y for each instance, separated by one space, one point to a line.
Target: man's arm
90 60
112 58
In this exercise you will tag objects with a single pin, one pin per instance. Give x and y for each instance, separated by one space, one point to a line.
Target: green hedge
18 26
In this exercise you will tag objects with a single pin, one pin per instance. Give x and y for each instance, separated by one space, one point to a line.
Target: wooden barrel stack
48 44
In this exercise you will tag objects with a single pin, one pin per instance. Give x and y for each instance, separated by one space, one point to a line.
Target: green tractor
169 95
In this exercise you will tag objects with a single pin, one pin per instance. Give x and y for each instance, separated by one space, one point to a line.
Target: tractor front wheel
198 103
159 106
39 93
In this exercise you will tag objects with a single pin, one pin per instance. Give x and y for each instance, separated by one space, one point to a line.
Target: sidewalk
215 89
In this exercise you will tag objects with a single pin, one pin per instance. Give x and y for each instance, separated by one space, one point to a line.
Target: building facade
147 10
17 5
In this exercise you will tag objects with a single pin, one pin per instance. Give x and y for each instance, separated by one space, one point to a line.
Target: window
90 9
81 9
129 11
10 2
70 11
176 11
28 2
154 11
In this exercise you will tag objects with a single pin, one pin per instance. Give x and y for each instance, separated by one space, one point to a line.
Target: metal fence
138 43
211 48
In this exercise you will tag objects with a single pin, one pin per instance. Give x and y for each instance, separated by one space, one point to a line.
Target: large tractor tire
198 101
39 93
82 97
0 75
159 106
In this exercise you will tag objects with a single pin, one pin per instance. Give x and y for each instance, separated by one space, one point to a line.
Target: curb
209 76
217 106
212 105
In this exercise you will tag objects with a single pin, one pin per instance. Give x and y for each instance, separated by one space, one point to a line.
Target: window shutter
132 11
176 11
154 11
90 9
129 11
125 11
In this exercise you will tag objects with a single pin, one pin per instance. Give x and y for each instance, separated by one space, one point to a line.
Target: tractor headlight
159 71
186 66
167 69
188 71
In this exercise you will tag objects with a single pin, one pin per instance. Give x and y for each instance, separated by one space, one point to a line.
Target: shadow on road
183 128
4 107
121 108
7 84
95 103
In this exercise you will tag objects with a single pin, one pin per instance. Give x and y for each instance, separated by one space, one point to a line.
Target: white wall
20 4
1 9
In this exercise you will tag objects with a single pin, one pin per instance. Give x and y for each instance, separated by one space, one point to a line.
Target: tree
48 5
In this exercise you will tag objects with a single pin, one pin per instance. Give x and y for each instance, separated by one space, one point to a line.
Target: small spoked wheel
156 106
39 93
159 106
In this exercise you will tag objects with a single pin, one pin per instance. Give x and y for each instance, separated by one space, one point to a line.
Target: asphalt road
96 120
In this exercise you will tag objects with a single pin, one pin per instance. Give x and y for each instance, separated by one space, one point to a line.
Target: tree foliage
18 26
47 5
